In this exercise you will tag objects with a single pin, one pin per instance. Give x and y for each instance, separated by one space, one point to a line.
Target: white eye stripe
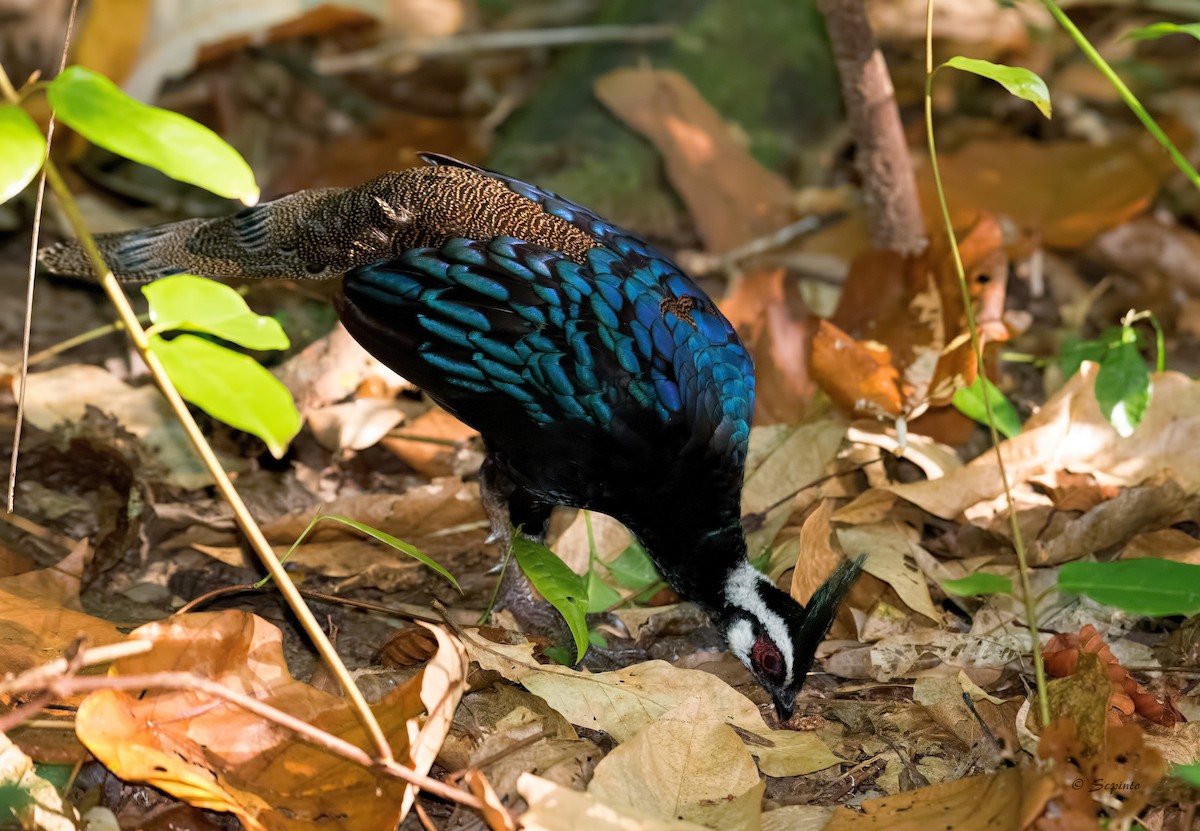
742 591
741 639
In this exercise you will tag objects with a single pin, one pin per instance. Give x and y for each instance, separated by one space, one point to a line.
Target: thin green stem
1018 540
79 340
1127 96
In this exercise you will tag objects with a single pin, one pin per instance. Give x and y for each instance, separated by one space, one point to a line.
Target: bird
599 375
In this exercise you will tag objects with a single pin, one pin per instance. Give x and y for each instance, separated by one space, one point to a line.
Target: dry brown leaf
553 807
994 802
1062 657
330 369
1060 194
730 196
354 425
687 764
890 549
110 37
1165 544
425 457
820 553
624 701
1070 433
1126 767
215 755
768 312
494 813
897 342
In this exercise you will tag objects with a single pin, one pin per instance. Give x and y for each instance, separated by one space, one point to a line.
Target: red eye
767 658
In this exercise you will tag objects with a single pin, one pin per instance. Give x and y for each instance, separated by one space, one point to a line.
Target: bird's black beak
785 704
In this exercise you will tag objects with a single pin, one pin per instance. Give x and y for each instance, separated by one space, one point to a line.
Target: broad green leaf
633 568
98 110
1188 773
22 151
231 387
978 583
1148 586
1158 30
969 401
1021 82
1076 350
601 596
1123 388
199 305
382 536
563 589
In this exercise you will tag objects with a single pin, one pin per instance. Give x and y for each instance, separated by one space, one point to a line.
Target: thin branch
11 94
408 611
475 42
185 681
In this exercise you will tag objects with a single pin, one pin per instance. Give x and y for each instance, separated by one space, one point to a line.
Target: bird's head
776 637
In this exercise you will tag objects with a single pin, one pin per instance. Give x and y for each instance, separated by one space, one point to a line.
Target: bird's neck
698 562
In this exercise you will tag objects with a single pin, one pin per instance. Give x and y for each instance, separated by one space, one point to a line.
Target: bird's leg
508 507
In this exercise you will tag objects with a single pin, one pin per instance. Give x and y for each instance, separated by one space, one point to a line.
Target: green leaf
601 596
1148 586
382 536
1021 82
1158 30
98 110
633 568
979 583
1188 773
1076 350
1123 387
231 387
563 589
199 305
22 151
969 401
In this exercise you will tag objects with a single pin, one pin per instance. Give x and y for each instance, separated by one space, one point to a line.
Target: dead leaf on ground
730 196
1070 433
624 701
1060 193
422 442
1062 657
897 342
995 802
768 312
1165 544
217 756
687 764
556 808
890 549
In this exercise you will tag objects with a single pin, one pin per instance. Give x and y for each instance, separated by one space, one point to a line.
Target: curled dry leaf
1070 433
768 312
898 342
624 701
1061 655
732 198
1059 194
215 755
427 443
687 764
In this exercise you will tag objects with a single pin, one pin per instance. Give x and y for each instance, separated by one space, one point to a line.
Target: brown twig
66 685
889 187
408 611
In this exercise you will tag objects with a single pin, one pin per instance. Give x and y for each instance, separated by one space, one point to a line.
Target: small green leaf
22 151
199 305
1075 351
633 568
1188 773
98 110
969 402
1021 82
1148 586
1123 388
1158 30
977 584
231 387
601 596
563 589
382 536
597 639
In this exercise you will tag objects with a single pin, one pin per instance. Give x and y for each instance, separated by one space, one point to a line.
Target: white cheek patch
742 590
741 639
